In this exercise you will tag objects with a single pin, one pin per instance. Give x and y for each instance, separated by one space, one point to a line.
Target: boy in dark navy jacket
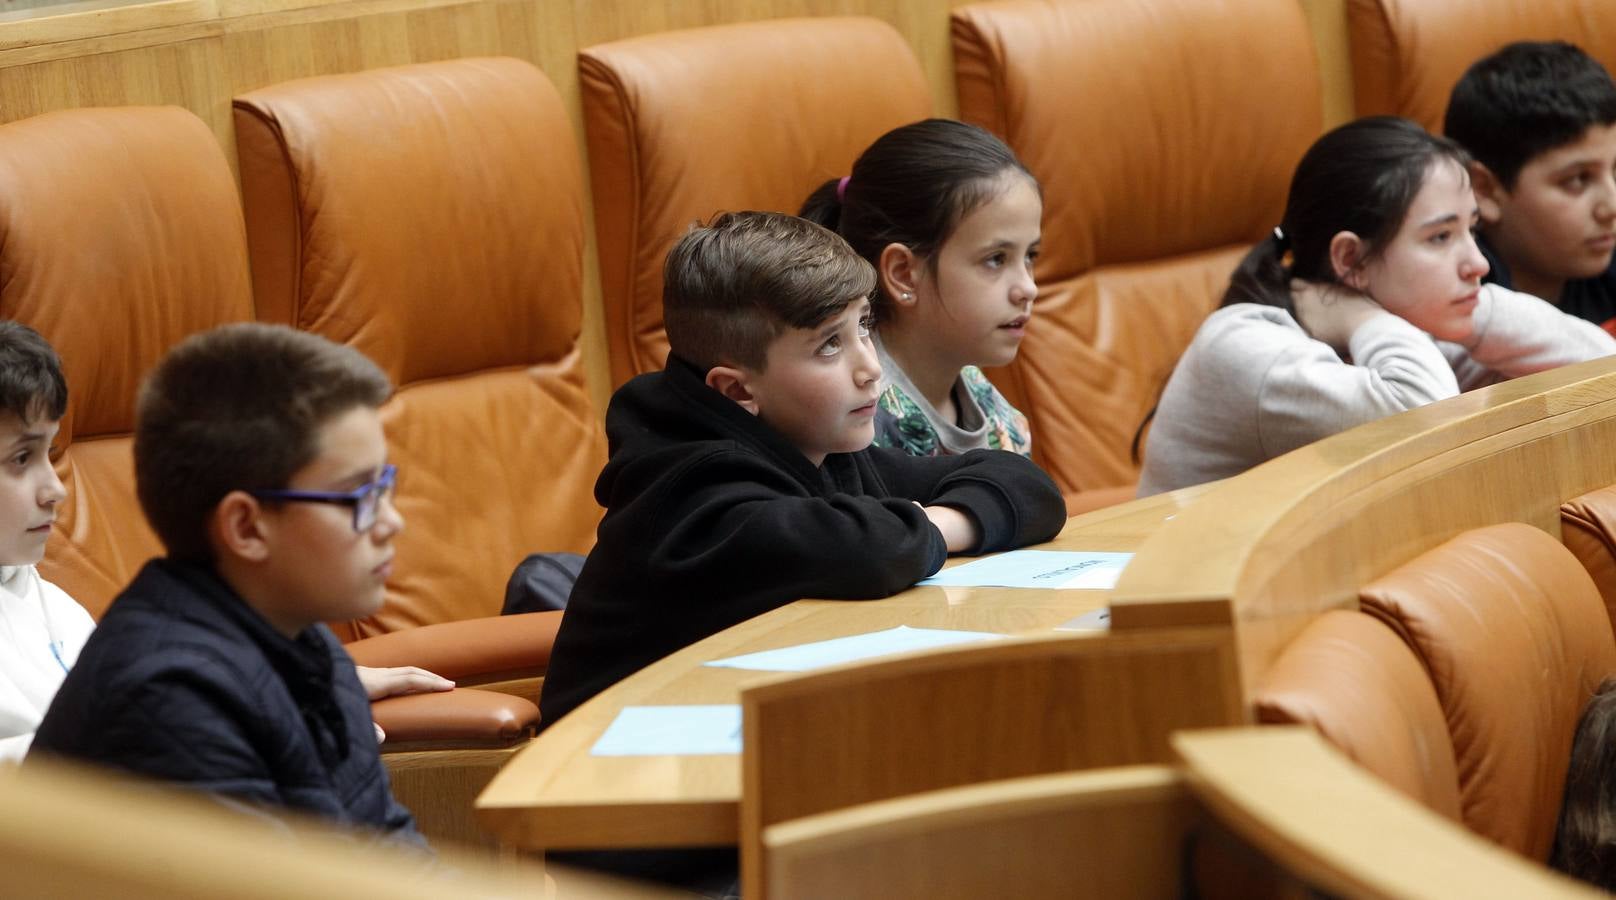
741 477
261 464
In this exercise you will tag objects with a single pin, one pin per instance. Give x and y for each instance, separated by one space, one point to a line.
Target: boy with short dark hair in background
1540 120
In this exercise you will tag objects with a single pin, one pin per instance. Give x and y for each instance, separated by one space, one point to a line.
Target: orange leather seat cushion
1408 54
432 217
1516 639
120 234
1355 682
686 124
1588 529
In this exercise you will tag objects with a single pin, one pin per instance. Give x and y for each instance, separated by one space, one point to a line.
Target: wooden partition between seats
1265 552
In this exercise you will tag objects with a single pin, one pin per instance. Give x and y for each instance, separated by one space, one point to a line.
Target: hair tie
1280 239
841 189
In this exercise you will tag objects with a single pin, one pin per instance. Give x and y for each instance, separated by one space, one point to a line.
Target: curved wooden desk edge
1268 549
72 830
550 795
841 853
1319 816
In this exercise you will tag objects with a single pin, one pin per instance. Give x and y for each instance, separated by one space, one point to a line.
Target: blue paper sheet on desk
1037 569
819 654
672 731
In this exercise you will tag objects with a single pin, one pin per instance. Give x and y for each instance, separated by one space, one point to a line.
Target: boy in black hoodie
741 477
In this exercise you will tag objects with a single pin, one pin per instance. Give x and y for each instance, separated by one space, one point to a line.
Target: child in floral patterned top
951 221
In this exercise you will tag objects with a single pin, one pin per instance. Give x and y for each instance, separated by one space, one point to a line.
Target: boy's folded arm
759 535
1013 502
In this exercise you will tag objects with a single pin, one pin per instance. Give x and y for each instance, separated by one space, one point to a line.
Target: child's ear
238 528
1490 194
1346 259
731 382
898 272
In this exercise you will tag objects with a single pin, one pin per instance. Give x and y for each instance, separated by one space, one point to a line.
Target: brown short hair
732 286
31 382
237 408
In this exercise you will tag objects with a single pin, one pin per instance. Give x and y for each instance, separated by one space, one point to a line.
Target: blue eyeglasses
365 499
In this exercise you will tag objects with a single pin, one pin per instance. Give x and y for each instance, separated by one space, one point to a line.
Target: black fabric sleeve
751 532
1013 501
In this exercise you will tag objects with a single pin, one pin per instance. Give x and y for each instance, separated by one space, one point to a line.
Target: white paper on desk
672 731
1037 569
1093 620
817 655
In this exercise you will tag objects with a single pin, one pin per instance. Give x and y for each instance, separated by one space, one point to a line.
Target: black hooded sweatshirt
713 517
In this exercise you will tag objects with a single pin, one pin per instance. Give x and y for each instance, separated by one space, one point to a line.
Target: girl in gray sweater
1366 301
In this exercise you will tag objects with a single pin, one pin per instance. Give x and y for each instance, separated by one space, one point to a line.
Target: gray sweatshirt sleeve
1518 334
1308 393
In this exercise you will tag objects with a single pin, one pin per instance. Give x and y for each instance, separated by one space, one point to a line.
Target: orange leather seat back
685 124
432 217
120 234
1588 529
1356 683
1408 54
1515 638
1155 184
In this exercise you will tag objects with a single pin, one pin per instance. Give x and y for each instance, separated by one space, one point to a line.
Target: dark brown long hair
1585 840
1361 177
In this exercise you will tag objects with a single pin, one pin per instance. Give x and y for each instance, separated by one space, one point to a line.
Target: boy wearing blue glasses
261 464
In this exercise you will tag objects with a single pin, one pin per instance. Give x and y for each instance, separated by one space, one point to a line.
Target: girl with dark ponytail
1365 301
951 221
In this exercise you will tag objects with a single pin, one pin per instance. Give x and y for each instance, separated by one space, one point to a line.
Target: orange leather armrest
461 716
498 646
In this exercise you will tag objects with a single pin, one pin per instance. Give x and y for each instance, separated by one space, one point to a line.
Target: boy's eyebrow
1585 162
29 437
357 477
832 326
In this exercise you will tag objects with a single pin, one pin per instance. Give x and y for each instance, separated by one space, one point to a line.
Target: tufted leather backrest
1354 681
120 234
432 217
1516 639
685 124
1588 529
1408 54
1155 184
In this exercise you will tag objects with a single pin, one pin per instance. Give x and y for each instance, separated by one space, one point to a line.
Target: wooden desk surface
554 794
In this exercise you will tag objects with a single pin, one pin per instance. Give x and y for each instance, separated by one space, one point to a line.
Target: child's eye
22 458
831 347
1032 255
1577 182
866 324
1441 237
995 261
